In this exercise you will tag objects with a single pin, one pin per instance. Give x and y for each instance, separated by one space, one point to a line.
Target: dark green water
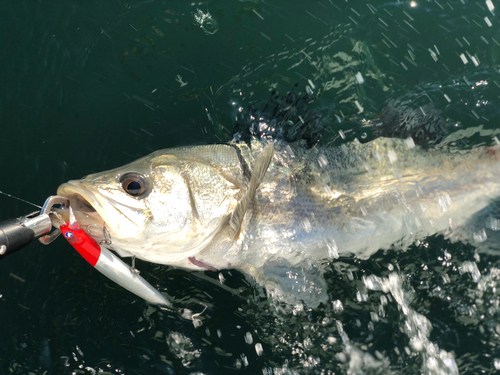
90 85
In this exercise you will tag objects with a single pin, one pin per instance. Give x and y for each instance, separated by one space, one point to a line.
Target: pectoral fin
259 171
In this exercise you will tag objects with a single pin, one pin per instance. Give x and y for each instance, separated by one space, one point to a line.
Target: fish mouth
88 212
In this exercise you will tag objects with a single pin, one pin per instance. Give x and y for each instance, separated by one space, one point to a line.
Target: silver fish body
360 198
308 204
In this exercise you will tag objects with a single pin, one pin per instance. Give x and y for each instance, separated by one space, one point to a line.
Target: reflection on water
144 75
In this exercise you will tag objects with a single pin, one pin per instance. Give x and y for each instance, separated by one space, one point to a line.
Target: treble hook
105 234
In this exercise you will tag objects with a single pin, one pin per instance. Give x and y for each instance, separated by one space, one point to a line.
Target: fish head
164 207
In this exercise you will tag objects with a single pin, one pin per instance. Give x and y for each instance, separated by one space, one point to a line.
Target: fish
277 210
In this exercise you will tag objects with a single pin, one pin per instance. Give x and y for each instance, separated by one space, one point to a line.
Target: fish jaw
95 210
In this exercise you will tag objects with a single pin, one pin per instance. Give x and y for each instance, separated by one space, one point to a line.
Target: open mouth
85 212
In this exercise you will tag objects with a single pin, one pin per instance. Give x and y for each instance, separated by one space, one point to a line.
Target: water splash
206 22
417 327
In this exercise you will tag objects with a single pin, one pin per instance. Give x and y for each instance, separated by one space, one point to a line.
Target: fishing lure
109 264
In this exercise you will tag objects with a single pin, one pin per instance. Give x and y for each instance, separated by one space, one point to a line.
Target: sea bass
266 208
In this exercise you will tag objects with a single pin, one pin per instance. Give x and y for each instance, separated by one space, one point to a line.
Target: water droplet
322 161
444 202
470 267
206 22
359 78
258 349
337 306
393 157
410 143
333 251
496 363
480 236
361 297
494 223
248 338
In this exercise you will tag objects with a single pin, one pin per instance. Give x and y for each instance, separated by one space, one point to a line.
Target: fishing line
20 199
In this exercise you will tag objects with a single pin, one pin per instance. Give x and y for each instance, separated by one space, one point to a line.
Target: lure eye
134 184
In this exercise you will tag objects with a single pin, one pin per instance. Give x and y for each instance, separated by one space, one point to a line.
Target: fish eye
134 184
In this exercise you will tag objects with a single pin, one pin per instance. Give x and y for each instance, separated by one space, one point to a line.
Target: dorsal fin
259 171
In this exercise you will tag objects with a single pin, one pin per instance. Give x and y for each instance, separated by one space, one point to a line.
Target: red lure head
82 242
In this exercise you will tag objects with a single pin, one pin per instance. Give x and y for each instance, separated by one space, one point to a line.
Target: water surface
88 86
